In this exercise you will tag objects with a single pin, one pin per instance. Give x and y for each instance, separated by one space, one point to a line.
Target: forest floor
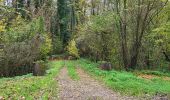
86 88
83 80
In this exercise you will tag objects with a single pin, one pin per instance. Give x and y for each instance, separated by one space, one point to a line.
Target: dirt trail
85 89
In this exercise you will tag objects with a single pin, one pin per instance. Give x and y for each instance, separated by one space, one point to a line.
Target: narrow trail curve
85 89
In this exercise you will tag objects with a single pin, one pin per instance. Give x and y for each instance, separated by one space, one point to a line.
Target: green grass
43 87
32 87
126 82
71 66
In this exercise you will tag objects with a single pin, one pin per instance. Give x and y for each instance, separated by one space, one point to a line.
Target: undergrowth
32 87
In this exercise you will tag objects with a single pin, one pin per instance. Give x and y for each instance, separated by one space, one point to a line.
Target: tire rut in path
85 89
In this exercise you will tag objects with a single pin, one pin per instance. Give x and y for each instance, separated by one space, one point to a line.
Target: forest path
85 89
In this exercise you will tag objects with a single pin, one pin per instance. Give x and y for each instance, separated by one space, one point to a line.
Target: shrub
17 58
57 46
72 49
46 47
23 45
2 26
97 38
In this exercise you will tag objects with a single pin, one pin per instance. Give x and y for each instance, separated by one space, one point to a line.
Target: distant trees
63 17
129 33
135 21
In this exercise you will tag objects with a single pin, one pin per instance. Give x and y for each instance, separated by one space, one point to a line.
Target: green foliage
27 41
162 35
97 38
63 11
57 46
31 87
72 49
41 25
103 22
160 41
46 47
19 30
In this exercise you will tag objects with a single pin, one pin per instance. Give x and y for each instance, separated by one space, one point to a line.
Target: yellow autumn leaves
2 26
72 49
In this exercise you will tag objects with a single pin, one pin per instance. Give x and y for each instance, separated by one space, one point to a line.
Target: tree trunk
124 36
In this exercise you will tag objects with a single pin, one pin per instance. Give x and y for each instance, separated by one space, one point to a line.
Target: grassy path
76 84
86 88
127 83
